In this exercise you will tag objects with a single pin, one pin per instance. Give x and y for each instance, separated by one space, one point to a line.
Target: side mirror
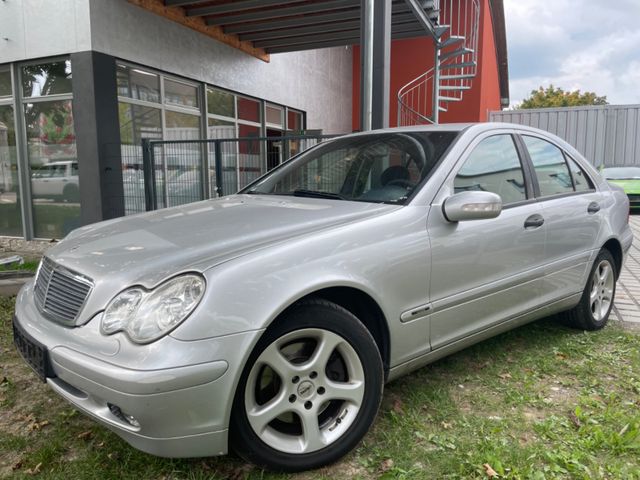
472 205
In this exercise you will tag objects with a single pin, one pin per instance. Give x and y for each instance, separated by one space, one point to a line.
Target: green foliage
556 97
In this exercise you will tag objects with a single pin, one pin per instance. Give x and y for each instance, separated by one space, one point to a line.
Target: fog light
130 419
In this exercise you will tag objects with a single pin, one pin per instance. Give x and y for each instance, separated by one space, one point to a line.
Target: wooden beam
178 15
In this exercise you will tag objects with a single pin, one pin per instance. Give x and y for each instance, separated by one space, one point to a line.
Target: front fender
386 257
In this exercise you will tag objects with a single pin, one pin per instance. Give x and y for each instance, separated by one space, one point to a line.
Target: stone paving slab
626 307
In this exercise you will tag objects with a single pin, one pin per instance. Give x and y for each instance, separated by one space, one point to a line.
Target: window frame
592 184
526 174
534 177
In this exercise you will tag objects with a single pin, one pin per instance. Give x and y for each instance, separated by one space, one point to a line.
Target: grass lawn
540 402
27 266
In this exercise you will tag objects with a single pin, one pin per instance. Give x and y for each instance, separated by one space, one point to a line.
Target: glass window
370 168
221 103
551 169
10 214
5 84
580 179
138 84
493 166
220 129
178 93
181 126
250 165
248 109
51 143
46 79
274 115
294 120
136 122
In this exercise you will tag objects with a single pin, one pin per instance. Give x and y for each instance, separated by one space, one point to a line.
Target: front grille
60 293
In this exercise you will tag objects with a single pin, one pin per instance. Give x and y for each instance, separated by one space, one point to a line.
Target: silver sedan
269 321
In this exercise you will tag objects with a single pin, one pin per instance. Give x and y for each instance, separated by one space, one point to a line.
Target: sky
591 45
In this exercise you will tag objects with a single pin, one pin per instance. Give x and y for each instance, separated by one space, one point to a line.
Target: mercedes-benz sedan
269 321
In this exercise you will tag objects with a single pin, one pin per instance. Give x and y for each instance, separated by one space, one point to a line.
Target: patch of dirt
27 396
10 463
343 469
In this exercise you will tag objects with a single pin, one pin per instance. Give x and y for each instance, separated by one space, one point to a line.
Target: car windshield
622 173
379 168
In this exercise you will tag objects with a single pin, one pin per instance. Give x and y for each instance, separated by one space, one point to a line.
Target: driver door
485 271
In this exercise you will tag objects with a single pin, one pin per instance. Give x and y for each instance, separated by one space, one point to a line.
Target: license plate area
33 352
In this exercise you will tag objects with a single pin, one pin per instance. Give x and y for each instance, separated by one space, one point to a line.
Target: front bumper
179 392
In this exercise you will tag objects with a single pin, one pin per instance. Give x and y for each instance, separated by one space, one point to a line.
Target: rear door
571 210
485 271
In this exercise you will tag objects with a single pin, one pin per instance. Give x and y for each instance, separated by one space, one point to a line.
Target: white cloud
586 45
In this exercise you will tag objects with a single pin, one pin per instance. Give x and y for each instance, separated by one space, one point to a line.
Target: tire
592 313
302 371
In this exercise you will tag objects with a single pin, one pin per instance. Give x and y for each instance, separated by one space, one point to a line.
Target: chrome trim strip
415 313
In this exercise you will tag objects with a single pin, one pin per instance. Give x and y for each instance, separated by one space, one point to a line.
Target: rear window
550 167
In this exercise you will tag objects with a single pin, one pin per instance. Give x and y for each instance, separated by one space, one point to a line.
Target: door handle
594 207
534 221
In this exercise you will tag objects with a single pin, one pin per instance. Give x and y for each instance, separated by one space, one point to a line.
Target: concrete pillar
97 127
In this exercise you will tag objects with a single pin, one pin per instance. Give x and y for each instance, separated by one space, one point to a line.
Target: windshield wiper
317 194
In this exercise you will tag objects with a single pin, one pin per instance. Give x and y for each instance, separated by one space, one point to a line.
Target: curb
11 286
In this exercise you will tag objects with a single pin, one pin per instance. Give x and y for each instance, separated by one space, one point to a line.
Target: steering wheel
400 182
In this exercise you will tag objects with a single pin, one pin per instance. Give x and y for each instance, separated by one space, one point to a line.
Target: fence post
218 153
150 200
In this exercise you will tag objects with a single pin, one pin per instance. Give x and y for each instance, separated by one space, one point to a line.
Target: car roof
477 127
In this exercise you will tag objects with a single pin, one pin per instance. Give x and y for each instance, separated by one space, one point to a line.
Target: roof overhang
262 27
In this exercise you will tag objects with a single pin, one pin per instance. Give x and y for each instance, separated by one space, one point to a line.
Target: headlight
146 315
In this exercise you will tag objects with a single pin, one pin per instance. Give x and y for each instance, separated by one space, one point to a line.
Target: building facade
83 82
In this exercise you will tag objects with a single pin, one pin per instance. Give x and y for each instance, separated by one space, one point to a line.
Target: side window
493 166
580 179
550 166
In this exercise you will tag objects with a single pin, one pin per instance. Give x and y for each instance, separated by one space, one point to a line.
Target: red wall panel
412 57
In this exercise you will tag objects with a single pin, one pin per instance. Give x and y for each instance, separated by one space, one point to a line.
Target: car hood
147 248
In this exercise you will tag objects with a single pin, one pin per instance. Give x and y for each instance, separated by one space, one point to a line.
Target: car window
493 166
580 179
59 171
370 168
550 167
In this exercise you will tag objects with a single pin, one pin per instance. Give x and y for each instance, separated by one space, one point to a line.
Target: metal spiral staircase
456 26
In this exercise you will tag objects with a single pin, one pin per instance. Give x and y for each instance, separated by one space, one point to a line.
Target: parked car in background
629 179
269 321
56 180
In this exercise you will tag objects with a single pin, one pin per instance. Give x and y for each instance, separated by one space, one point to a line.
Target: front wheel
310 390
592 313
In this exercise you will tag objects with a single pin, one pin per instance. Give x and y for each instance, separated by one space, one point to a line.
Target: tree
557 97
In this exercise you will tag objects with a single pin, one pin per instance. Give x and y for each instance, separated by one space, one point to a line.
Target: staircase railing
456 61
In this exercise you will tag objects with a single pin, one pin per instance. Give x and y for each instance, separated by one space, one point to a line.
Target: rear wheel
592 313
310 390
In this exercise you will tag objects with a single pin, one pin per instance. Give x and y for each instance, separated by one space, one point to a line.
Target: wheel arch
362 306
615 248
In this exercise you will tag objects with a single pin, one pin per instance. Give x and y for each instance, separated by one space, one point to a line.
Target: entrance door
274 149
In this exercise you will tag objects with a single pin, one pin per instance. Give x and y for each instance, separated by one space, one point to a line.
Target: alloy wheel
601 295
304 391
